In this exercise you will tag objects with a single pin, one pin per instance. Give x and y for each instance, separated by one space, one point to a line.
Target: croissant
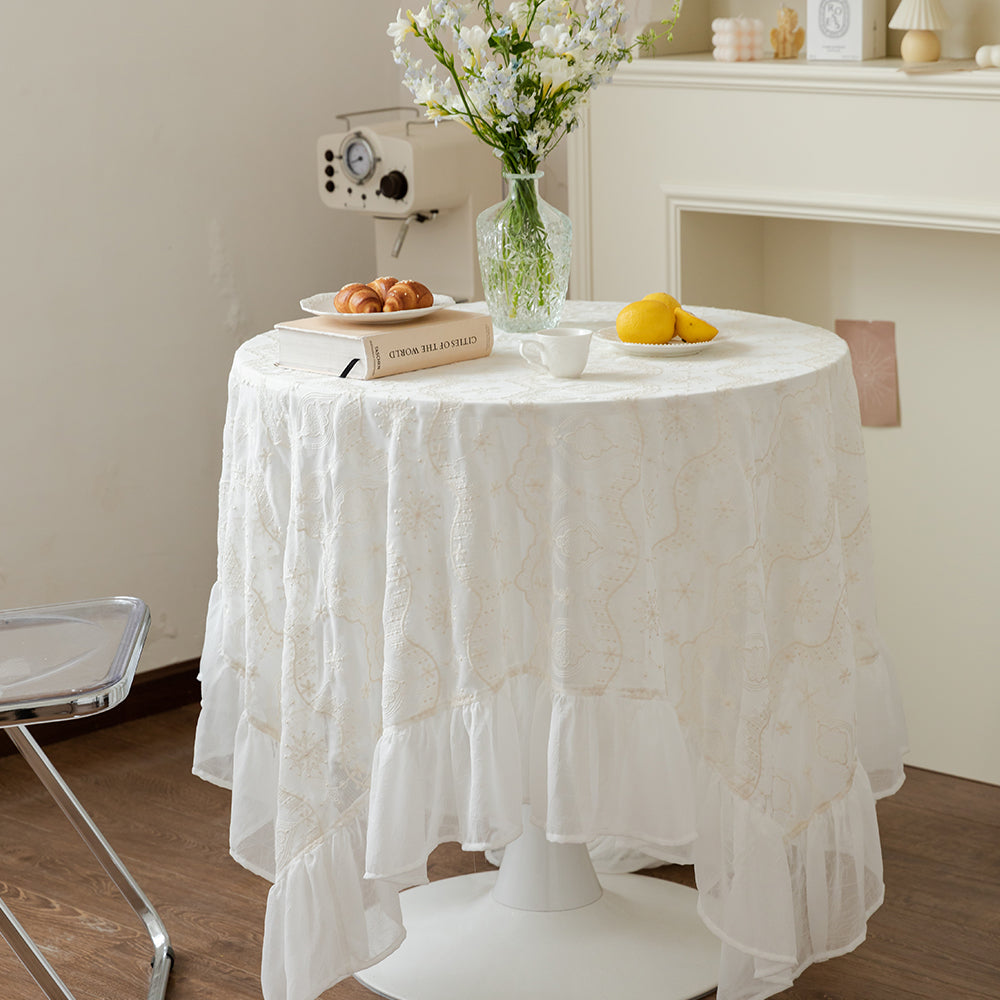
341 298
407 295
382 285
357 298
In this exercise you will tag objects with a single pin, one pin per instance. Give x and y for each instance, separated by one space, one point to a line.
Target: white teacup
561 352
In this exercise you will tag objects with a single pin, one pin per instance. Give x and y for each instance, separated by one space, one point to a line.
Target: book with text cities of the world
365 350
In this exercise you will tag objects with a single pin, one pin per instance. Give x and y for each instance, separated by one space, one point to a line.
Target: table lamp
921 18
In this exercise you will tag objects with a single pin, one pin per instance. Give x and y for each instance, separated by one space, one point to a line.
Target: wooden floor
937 937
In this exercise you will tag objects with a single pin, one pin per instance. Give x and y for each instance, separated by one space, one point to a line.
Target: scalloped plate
322 305
675 349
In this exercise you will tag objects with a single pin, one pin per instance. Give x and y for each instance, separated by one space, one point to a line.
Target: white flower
422 18
427 91
583 64
473 39
399 28
526 105
451 18
555 72
554 37
517 14
478 95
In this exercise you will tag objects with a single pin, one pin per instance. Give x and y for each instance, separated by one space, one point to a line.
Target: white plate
675 349
322 305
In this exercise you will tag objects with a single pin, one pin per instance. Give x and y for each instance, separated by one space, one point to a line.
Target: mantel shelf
874 143
950 79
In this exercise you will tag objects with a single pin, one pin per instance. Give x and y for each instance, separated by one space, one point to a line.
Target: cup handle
532 353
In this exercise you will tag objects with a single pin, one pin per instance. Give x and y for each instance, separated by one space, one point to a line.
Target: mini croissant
407 295
357 298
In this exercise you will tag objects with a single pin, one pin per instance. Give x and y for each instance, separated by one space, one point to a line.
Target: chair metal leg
31 958
22 945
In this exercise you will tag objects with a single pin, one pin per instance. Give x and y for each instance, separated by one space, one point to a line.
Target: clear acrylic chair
61 662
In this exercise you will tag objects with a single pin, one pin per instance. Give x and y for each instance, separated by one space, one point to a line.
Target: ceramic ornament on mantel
787 37
921 19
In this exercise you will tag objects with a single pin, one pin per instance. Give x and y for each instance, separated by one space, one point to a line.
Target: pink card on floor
873 356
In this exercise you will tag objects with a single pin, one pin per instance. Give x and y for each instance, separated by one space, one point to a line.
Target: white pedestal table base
642 938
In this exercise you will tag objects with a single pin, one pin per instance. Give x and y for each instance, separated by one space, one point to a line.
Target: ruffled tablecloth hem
779 897
896 783
321 907
772 979
249 768
212 779
599 767
881 731
778 901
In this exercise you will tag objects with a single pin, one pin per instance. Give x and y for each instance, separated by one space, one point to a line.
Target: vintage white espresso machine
424 184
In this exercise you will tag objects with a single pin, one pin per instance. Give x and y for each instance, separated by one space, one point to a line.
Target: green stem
528 256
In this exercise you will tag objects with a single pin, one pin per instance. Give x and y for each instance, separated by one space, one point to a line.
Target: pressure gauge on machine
358 158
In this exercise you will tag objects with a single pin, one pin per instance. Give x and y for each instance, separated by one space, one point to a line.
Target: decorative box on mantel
845 29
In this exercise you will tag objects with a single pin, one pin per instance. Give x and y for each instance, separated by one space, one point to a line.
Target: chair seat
58 662
62 661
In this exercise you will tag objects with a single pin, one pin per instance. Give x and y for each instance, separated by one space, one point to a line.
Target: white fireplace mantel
868 142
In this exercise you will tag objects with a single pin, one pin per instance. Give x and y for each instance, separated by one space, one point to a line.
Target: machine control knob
393 185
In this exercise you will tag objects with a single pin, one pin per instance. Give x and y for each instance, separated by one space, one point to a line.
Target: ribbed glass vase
525 247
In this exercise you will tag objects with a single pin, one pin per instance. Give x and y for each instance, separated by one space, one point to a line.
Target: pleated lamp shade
922 15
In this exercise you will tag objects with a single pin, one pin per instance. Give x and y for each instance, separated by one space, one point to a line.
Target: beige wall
159 207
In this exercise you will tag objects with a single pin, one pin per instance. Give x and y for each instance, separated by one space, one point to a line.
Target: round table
639 602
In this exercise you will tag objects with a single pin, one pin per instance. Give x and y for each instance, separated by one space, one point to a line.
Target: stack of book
349 349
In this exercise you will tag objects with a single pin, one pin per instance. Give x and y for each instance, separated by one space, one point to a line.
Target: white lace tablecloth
641 601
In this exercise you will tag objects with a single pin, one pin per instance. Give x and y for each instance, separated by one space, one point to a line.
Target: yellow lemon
668 300
645 322
692 329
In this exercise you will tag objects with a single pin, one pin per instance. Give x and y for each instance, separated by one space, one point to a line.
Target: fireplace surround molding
824 206
869 143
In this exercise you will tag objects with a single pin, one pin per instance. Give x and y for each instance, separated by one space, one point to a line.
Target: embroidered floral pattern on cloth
640 600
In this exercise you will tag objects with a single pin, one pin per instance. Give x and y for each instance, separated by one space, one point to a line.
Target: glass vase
525 246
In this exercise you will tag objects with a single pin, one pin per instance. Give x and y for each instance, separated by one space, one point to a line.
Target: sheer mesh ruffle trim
321 906
232 752
881 729
780 902
221 704
599 766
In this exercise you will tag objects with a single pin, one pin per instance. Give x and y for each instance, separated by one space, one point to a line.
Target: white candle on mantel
988 55
737 39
